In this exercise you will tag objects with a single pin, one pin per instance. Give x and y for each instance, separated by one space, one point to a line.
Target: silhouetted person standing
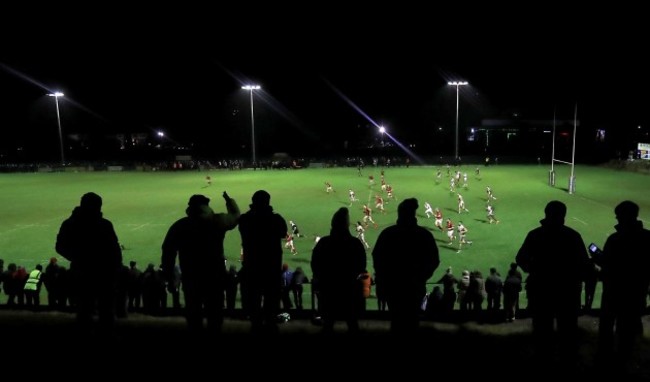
405 287
625 271
232 282
262 232
555 257
338 261
90 243
197 239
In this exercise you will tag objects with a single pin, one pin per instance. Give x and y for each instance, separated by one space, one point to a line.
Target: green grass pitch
142 206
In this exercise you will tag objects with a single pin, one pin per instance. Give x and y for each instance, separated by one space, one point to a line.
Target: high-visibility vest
33 280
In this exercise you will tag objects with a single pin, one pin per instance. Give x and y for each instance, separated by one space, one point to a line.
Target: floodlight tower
382 130
250 88
56 96
457 84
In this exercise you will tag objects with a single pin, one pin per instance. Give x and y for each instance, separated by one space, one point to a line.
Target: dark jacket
625 270
555 256
89 242
405 240
198 241
262 232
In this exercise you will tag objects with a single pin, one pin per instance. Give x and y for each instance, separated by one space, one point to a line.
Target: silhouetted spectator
287 286
405 287
493 288
591 281
20 278
232 281
555 257
448 281
52 282
337 262
515 269
299 279
626 277
153 286
10 284
366 287
382 303
66 294
90 243
174 287
434 303
476 291
122 293
511 288
135 286
463 287
197 240
262 232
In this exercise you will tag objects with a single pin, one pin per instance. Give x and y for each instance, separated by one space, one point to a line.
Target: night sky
183 75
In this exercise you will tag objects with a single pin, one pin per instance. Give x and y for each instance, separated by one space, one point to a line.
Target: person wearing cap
90 243
405 287
555 258
262 231
197 240
624 270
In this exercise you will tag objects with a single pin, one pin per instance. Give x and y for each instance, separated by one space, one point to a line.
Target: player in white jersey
427 209
328 187
490 214
465 182
361 234
462 236
461 204
353 197
294 229
490 195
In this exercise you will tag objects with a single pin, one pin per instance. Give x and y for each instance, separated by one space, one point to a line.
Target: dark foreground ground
161 347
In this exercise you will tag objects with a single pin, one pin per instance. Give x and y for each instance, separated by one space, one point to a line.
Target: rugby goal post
551 174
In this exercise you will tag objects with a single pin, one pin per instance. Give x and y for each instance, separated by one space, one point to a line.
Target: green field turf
142 205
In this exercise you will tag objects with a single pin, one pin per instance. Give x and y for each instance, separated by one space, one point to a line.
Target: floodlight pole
250 88
457 84
58 121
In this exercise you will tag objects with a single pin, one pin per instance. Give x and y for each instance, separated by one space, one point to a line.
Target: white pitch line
18 228
594 202
583 222
140 226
